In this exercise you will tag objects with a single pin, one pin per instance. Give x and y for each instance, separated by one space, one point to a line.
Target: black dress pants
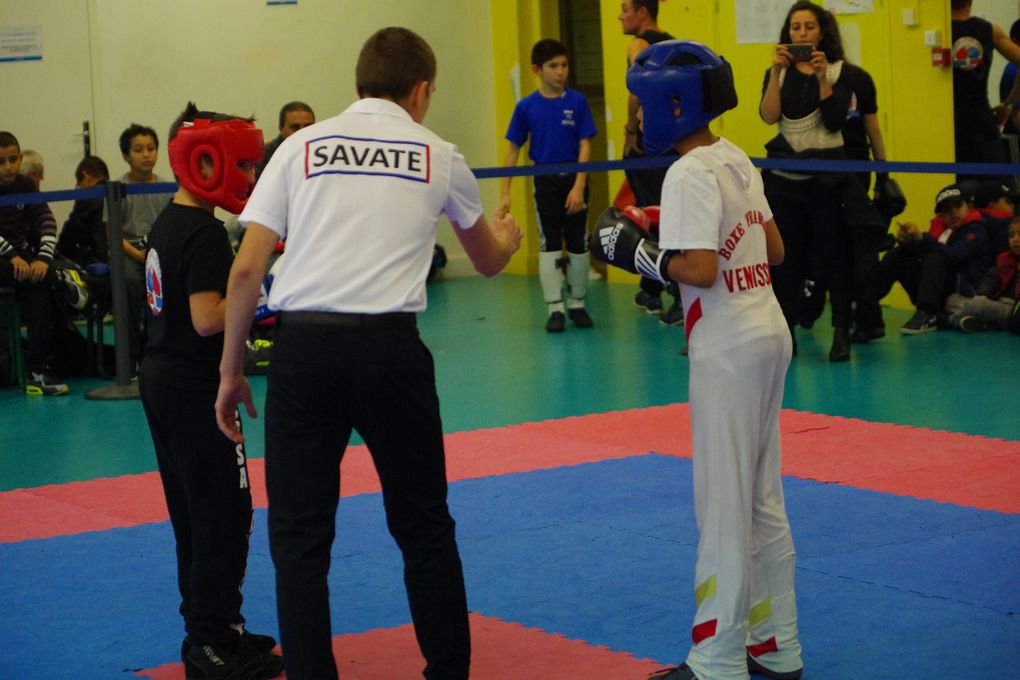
377 378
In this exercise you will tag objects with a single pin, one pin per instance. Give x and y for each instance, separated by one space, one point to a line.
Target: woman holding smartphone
803 93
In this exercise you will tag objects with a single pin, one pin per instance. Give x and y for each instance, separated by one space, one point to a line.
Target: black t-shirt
863 101
972 59
188 252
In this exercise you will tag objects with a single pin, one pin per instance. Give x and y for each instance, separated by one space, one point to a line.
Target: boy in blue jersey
559 123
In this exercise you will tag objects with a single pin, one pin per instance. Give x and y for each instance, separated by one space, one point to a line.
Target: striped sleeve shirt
26 229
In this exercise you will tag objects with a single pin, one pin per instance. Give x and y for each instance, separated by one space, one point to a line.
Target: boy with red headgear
205 477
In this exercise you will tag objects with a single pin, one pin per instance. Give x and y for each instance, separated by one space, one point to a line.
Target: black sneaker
43 384
580 317
260 643
652 304
755 668
75 291
681 672
921 322
556 323
673 316
243 662
864 335
976 324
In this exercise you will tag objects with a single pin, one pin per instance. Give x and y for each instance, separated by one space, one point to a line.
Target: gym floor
569 461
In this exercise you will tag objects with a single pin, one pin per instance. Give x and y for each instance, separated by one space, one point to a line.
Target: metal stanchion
124 387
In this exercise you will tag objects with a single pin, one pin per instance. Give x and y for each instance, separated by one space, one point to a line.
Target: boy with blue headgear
717 240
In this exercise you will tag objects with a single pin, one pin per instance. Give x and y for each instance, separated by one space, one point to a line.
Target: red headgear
226 143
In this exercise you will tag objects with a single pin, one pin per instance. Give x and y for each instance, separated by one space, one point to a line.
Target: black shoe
975 324
864 335
921 322
260 643
242 662
674 315
74 289
556 323
43 384
755 668
840 344
681 672
579 317
652 304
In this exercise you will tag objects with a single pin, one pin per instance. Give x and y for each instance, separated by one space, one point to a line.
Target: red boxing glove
652 211
638 216
646 218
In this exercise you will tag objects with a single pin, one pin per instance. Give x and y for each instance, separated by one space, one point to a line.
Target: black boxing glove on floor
620 242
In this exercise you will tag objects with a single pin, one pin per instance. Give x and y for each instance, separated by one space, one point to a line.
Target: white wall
115 62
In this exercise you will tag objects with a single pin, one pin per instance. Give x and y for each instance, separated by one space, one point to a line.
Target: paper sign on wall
759 21
20 43
850 6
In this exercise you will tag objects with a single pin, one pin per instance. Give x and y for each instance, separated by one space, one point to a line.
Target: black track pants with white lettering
325 381
205 479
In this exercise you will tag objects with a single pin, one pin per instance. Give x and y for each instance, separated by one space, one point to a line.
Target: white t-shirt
728 215
357 198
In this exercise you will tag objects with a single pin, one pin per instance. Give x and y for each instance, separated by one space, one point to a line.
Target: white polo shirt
357 198
712 199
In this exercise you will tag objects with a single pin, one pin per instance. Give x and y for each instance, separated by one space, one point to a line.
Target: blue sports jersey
556 126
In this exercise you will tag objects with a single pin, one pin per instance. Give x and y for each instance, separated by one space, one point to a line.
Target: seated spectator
28 235
997 204
83 236
139 146
293 117
32 167
951 257
994 307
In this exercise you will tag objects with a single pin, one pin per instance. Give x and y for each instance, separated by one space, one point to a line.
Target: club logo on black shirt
153 283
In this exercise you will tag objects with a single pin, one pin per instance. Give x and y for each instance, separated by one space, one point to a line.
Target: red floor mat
499 651
944 466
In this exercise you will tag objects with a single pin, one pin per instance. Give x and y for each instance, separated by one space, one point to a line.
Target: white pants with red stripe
744 573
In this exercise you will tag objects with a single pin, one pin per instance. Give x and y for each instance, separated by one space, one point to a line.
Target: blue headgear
682 85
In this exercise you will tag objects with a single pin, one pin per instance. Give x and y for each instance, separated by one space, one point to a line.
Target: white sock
550 276
577 276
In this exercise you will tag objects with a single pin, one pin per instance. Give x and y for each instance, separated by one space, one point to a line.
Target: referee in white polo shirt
357 198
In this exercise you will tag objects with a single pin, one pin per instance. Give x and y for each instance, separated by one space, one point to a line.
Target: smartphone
801 51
